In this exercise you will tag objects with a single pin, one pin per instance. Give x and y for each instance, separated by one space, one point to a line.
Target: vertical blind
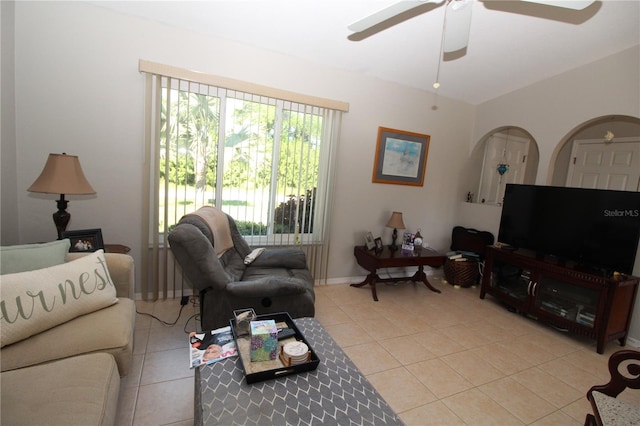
263 156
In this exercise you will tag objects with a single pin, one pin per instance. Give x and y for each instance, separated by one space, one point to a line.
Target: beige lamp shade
62 174
396 221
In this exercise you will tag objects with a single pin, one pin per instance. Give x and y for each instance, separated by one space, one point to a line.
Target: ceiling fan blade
566 4
387 13
457 25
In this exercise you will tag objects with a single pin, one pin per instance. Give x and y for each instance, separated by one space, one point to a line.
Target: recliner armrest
282 258
270 286
197 257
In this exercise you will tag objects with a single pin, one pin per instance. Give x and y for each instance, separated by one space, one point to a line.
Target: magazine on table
211 346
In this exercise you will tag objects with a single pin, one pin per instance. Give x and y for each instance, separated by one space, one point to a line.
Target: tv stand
583 303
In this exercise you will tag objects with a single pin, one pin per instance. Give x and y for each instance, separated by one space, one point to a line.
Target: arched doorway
509 155
602 153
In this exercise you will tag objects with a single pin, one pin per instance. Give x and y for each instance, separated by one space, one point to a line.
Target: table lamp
396 223
62 174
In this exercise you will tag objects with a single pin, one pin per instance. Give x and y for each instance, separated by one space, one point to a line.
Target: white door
509 151
598 165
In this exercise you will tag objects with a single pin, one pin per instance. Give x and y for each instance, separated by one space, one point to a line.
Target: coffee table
335 393
372 261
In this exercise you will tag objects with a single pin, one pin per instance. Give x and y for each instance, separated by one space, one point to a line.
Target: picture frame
369 242
378 245
84 240
401 157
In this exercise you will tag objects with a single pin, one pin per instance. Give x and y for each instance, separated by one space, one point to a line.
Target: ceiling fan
457 21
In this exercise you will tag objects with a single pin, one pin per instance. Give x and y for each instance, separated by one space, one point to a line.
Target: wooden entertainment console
581 302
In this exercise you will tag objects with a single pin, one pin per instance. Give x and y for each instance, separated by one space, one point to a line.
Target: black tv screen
593 228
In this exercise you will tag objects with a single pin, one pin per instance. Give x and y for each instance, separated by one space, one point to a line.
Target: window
263 156
256 158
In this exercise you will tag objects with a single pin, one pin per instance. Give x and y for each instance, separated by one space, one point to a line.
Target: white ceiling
512 43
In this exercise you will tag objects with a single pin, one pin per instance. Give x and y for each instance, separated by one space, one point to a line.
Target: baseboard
170 294
342 280
633 342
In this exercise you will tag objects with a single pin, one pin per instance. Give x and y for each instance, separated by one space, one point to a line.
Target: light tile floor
438 359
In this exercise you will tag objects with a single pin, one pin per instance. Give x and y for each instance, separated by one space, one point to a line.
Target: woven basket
464 274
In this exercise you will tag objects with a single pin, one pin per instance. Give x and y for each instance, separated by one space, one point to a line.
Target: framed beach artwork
401 157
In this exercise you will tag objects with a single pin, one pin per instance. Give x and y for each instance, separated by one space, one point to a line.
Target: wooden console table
372 261
583 302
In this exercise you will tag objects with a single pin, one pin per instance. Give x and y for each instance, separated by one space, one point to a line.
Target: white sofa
70 373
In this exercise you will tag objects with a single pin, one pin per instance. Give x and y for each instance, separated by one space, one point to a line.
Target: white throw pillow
34 301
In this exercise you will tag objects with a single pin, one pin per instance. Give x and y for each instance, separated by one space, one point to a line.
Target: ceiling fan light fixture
460 4
457 25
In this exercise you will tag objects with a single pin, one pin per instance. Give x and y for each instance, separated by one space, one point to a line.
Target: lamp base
61 217
394 236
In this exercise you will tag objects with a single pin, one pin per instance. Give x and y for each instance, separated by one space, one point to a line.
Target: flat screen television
589 228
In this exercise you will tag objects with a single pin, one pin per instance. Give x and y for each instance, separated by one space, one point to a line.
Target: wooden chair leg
590 420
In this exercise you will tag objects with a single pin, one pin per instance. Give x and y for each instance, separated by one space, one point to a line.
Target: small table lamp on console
396 223
62 174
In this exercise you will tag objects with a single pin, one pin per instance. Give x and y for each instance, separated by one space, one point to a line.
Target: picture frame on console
378 245
401 157
369 241
84 240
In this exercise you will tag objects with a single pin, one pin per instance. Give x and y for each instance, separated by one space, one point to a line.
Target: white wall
78 91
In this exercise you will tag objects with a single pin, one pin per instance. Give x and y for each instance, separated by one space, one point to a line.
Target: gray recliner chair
278 280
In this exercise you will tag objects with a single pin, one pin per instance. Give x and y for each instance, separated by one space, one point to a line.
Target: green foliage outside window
191 129
287 212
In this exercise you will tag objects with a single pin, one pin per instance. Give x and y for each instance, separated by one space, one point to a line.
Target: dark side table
116 248
372 261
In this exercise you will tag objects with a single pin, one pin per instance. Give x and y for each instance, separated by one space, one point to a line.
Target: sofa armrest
281 258
270 286
121 270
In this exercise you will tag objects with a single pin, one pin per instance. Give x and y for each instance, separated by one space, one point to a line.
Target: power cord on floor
197 318
195 302
170 324
184 301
